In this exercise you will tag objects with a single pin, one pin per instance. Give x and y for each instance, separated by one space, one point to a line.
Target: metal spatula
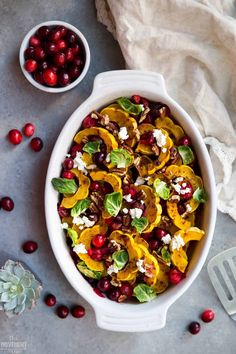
222 272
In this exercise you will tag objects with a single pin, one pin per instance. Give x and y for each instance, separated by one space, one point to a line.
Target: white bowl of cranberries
54 56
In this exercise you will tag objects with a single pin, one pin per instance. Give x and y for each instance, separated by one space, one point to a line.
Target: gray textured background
22 176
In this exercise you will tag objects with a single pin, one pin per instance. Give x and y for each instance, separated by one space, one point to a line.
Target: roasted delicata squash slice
110 178
86 238
123 119
173 129
108 138
150 264
178 220
81 193
162 280
191 234
144 165
142 148
179 259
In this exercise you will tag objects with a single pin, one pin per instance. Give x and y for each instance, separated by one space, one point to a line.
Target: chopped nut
97 198
122 298
125 229
94 115
174 198
128 148
114 246
127 179
119 171
137 134
93 208
156 149
111 127
144 115
115 282
141 195
85 140
126 220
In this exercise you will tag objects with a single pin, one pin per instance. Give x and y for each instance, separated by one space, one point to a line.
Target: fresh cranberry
74 72
77 61
104 284
208 315
63 78
69 54
59 59
116 225
68 164
62 311
144 102
107 188
50 300
114 294
96 255
109 221
89 122
185 140
147 138
76 148
36 144
95 186
67 175
98 240
50 48
130 190
7 204
98 292
29 53
15 136
75 48
99 158
105 250
186 186
159 233
147 235
42 65
39 53
194 327
136 99
30 65
28 129
61 45
153 244
63 212
34 41
71 37
30 246
54 35
50 77
78 311
38 76
43 32
63 30
175 276
126 289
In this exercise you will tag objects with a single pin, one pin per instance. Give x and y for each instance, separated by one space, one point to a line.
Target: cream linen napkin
193 44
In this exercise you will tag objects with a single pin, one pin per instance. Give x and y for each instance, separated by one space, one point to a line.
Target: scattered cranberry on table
50 300
30 246
36 144
194 327
78 311
15 136
28 129
62 311
208 315
7 204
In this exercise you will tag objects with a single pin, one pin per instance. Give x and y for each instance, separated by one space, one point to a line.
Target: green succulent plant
18 288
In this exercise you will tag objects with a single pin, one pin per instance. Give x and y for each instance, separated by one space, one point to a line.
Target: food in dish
129 193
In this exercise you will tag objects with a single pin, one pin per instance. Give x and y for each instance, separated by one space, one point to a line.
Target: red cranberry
54 35
50 77
147 138
99 158
75 48
208 315
59 59
29 53
43 32
61 45
38 76
104 284
76 148
175 276
50 47
30 246
15 136
159 233
136 99
39 53
114 294
126 289
63 30
7 204
98 292
116 225
34 41
89 122
185 140
67 174
147 235
36 144
42 65
144 102
28 129
50 300
69 54
30 65
62 311
63 78
153 244
109 221
71 37
77 61
130 190
95 186
68 164
194 327
97 255
185 185
78 311
63 212
74 72
98 240
107 188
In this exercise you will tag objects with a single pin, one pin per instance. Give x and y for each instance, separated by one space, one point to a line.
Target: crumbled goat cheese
188 207
142 107
68 155
79 163
112 269
184 185
123 133
128 198
136 213
80 248
177 242
108 157
147 178
176 187
125 211
185 191
139 264
142 201
164 150
160 137
139 181
64 226
178 179
77 220
166 239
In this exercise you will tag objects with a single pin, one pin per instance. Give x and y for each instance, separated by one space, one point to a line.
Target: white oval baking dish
128 317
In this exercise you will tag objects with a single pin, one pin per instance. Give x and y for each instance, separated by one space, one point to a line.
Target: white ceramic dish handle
110 81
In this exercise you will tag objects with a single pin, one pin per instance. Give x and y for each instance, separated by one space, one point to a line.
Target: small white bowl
82 41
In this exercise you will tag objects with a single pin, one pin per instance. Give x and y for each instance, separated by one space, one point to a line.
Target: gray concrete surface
22 175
